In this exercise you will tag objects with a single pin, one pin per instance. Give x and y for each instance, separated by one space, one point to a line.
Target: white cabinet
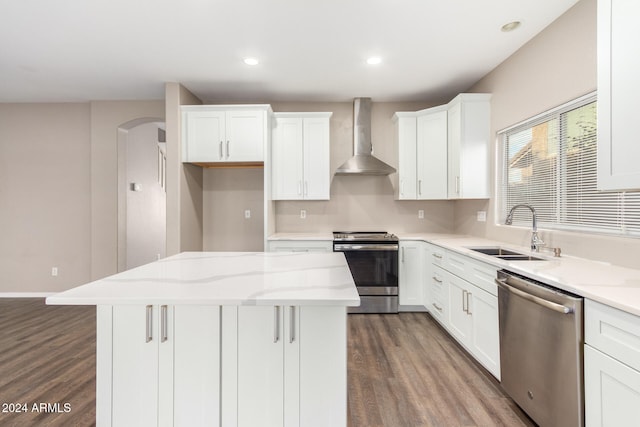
431 154
215 134
291 366
618 92
300 245
468 123
443 152
611 366
160 365
422 154
410 277
300 156
473 321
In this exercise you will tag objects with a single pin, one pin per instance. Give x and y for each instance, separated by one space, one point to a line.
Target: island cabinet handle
149 331
276 324
292 324
468 306
164 323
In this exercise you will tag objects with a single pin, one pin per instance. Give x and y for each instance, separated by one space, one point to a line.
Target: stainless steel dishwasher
541 349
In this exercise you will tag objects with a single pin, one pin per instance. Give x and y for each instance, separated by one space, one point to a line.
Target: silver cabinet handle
436 306
437 256
468 305
502 283
276 324
164 323
464 298
292 324
420 187
149 328
227 149
436 279
457 185
220 150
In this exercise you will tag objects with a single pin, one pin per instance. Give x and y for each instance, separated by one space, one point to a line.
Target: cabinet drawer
455 263
437 255
300 246
482 275
613 332
439 295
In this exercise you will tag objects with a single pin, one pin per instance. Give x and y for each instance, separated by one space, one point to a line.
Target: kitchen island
222 338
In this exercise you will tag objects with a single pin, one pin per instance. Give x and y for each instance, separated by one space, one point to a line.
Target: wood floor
403 371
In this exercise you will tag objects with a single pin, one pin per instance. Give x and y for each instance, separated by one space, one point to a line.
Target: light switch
481 216
303 214
421 214
247 213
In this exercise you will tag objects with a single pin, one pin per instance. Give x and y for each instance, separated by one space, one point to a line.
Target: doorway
141 192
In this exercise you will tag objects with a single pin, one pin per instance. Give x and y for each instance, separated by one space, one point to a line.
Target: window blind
550 163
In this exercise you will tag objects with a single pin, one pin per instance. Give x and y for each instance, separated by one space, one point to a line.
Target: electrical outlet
481 216
54 271
303 214
247 213
421 214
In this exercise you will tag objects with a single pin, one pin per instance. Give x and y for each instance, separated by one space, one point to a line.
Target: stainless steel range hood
363 162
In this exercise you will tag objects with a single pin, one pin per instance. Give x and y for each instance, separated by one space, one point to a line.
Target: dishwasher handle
535 299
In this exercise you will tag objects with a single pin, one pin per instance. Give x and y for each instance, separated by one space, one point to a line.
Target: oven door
372 265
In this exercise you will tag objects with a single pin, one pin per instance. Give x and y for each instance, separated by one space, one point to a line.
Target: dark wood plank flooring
404 370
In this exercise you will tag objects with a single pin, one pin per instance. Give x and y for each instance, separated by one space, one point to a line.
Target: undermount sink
506 254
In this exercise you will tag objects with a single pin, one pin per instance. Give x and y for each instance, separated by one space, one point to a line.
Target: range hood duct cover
363 162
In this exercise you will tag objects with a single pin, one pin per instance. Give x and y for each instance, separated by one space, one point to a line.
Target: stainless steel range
373 260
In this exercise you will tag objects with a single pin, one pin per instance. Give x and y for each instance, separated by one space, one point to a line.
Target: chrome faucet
536 241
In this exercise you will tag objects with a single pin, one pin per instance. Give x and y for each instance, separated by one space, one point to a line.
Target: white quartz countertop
225 278
612 285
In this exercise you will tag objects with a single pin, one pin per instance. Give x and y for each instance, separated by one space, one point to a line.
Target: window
549 162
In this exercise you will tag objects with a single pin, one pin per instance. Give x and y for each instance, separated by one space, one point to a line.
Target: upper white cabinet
300 156
618 92
468 124
443 152
215 134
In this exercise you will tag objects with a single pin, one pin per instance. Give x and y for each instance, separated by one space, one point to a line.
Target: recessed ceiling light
374 60
510 26
251 61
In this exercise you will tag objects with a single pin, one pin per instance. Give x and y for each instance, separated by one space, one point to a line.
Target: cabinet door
194 335
485 340
410 274
286 156
322 367
612 391
135 349
260 366
245 136
203 136
460 322
317 175
618 91
431 155
406 135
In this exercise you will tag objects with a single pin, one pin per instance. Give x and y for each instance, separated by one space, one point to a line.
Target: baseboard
25 294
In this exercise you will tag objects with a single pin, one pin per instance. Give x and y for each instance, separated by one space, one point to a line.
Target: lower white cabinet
611 366
473 320
410 277
159 366
291 366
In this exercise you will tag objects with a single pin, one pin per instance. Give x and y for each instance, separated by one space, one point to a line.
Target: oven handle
535 299
343 247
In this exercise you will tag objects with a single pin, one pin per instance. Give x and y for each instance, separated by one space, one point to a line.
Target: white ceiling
310 50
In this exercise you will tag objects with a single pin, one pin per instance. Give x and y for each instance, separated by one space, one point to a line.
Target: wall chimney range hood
363 162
